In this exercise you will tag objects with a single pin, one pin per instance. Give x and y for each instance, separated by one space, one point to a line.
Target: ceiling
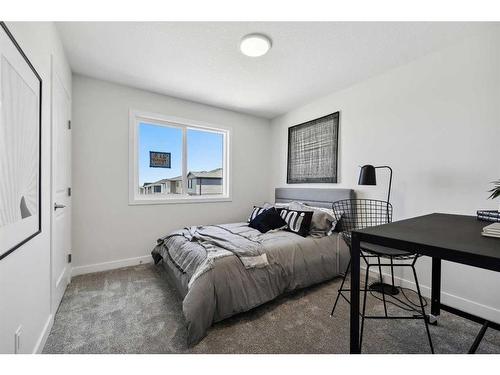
201 61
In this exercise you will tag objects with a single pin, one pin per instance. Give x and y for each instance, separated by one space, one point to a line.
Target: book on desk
492 230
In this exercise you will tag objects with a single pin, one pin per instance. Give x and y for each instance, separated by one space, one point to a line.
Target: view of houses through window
160 152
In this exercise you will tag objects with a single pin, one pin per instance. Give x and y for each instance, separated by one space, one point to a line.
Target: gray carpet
136 310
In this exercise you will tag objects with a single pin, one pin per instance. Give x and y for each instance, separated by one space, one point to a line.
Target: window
205 154
175 160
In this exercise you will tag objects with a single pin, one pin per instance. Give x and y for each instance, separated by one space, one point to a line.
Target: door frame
67 275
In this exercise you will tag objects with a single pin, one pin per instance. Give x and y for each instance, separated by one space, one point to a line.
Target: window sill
179 200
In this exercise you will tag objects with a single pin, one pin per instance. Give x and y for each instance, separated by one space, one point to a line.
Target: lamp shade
367 175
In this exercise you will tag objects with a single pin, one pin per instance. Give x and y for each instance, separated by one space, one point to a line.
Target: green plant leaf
495 192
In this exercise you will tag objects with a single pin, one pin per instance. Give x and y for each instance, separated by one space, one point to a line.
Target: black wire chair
354 214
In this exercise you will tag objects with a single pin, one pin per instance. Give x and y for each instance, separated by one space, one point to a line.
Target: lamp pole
368 177
390 179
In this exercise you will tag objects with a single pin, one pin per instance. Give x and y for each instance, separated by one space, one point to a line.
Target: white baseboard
44 335
472 307
105 266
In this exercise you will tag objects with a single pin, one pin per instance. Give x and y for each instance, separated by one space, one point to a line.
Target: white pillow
281 205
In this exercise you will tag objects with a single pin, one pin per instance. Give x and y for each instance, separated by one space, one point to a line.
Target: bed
241 268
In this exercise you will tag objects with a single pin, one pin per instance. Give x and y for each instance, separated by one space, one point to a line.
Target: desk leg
435 290
355 251
479 337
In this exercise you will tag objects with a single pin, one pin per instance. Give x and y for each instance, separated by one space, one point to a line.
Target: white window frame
135 118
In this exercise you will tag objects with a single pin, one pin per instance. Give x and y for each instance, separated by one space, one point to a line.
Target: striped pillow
298 222
256 212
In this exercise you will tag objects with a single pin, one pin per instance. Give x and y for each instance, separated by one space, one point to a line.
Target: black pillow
267 220
297 221
256 211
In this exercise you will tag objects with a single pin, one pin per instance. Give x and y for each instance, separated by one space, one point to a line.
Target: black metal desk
454 238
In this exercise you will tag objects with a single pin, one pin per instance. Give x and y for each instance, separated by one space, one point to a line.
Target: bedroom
200 186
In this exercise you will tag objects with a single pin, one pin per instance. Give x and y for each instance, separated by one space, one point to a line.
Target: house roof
215 173
162 181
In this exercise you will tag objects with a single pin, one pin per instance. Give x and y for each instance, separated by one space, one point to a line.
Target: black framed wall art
20 146
313 151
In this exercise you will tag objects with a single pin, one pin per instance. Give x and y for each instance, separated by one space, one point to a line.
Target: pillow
268 220
281 205
298 222
323 220
256 211
334 219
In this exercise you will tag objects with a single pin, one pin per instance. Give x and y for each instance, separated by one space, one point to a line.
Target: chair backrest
355 214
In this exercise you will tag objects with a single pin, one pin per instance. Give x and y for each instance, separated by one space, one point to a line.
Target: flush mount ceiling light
255 45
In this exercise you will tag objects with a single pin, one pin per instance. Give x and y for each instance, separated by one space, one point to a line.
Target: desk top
443 235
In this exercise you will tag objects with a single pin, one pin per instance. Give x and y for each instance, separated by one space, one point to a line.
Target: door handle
57 205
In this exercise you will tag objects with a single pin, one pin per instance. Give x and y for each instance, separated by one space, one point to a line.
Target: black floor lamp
367 176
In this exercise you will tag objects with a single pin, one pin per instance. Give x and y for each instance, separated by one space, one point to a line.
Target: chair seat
385 252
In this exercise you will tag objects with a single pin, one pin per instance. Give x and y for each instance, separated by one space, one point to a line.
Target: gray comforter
227 269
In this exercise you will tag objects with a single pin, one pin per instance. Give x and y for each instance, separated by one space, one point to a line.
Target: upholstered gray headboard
318 197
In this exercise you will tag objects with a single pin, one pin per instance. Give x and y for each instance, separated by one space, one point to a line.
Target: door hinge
69 192
69 124
69 258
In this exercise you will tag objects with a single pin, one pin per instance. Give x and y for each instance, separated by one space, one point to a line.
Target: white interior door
61 189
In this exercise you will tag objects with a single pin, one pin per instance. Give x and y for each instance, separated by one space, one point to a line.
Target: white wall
105 227
436 121
25 273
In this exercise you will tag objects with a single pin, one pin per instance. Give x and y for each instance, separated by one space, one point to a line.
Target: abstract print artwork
20 131
313 151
